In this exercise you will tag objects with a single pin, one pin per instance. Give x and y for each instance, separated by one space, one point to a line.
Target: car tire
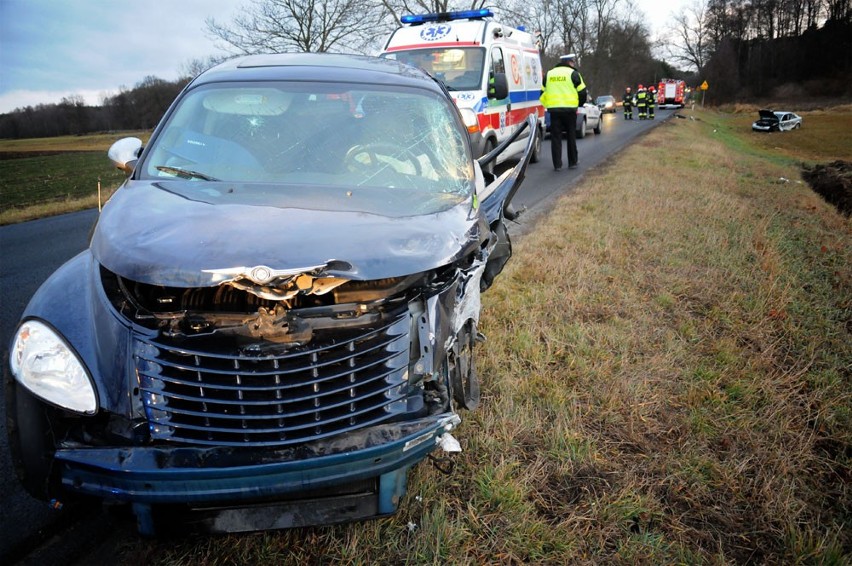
30 433
599 128
536 150
581 131
489 147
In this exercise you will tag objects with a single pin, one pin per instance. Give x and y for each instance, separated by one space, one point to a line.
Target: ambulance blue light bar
447 16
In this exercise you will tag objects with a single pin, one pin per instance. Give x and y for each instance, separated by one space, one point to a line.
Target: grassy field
666 378
42 177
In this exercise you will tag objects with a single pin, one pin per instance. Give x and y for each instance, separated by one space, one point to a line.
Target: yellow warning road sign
704 86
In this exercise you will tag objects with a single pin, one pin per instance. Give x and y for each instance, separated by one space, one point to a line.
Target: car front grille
226 396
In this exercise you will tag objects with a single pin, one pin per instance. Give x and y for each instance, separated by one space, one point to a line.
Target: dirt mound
833 182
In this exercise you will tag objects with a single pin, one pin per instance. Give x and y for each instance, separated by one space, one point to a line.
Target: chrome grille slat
380 331
284 371
227 397
208 398
276 429
178 381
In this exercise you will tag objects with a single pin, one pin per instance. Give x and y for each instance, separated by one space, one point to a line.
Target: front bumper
234 479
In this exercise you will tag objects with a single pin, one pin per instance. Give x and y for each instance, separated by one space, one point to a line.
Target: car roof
317 67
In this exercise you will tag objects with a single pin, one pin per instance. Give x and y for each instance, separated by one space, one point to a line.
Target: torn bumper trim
169 475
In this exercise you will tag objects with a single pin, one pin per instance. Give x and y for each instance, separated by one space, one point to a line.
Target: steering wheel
364 157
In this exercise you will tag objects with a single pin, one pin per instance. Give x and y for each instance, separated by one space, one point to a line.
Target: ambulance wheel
581 131
536 150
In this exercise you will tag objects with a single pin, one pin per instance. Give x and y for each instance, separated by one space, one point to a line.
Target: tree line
138 108
744 48
782 49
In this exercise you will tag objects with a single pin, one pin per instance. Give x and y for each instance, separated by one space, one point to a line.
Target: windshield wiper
185 173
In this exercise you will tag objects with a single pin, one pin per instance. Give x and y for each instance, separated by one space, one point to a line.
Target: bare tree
539 18
690 35
278 26
194 67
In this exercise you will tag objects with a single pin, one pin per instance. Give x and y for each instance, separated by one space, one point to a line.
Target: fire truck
671 93
472 54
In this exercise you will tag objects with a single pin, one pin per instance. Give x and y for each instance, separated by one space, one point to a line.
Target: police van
492 71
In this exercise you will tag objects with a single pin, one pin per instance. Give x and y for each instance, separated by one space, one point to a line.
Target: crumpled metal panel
151 235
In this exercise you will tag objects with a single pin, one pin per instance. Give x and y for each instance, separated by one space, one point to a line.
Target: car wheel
464 380
581 131
797 126
31 440
536 150
599 128
489 147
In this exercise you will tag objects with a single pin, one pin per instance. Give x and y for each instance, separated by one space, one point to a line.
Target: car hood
153 236
767 115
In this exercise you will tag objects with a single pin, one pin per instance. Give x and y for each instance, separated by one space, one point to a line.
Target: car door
496 198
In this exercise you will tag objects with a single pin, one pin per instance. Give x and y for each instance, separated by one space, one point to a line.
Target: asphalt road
32 532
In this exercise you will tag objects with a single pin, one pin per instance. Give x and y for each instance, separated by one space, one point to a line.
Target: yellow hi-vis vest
559 90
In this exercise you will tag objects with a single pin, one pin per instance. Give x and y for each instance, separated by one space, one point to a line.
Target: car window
329 136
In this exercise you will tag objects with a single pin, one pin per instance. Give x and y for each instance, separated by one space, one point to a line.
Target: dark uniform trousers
563 122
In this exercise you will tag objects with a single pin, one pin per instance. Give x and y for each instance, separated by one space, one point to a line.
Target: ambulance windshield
459 68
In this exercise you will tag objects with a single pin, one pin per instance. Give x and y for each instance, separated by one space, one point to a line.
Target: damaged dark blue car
277 313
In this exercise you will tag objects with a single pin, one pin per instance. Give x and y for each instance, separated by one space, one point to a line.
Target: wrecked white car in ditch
277 313
772 121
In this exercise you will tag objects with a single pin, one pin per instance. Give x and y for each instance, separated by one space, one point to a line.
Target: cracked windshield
334 146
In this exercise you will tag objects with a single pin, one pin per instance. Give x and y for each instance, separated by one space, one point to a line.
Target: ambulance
493 72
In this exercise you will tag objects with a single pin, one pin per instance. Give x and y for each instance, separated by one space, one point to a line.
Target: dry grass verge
666 381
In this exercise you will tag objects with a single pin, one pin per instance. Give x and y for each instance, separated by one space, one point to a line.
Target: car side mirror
124 153
499 88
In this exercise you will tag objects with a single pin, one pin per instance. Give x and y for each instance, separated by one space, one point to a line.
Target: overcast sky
50 49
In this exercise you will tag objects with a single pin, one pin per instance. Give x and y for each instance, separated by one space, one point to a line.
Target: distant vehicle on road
772 121
588 116
606 103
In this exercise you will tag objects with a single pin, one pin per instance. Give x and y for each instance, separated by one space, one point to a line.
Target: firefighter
652 101
627 103
562 92
642 102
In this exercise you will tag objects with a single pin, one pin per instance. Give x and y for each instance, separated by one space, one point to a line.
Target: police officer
652 101
642 102
627 103
562 92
